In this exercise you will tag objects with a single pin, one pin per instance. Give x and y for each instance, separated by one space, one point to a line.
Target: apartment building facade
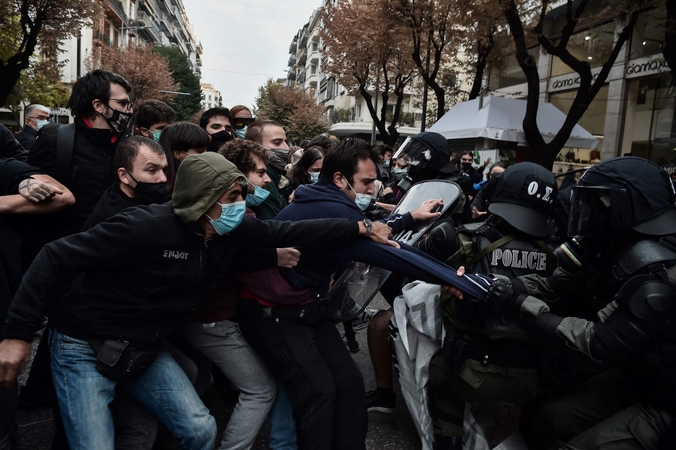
347 113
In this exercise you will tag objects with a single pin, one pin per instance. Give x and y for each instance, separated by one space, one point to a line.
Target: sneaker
374 403
353 346
363 319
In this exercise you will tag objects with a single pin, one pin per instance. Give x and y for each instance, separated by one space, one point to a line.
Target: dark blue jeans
84 395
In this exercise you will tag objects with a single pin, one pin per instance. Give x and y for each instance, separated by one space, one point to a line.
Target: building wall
211 97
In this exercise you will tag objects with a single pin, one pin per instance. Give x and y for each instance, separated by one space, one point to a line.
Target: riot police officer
624 256
487 356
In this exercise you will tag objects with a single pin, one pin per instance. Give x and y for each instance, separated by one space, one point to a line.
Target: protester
217 122
282 319
308 167
241 119
180 140
152 117
36 117
272 136
26 194
102 110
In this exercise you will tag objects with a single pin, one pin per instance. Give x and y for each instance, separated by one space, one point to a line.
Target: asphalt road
386 431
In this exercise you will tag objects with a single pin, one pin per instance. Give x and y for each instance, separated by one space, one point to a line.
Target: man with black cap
623 256
486 356
511 242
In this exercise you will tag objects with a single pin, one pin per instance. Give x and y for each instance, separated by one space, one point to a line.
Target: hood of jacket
314 201
200 181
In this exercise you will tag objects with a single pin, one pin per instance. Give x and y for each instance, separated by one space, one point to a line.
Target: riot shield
357 286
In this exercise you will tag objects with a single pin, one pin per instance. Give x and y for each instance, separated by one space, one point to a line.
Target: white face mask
41 123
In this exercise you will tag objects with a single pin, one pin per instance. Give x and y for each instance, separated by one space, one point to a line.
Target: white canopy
502 119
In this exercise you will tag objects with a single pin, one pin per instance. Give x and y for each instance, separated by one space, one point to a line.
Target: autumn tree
27 24
449 39
527 24
147 72
297 111
366 54
186 81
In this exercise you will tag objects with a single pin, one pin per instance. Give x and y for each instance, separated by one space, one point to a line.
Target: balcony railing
105 40
119 11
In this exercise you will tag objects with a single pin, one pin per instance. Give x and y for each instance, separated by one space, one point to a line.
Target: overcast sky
245 43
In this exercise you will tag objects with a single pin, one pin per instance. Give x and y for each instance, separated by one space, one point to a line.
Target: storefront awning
502 119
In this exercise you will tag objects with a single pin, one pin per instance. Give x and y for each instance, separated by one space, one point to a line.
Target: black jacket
10 147
12 172
113 201
27 137
140 273
91 171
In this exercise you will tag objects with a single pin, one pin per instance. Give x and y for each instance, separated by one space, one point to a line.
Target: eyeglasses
241 122
125 102
40 118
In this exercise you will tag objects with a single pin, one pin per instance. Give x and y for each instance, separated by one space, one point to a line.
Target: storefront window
593 45
593 120
650 124
648 36
510 73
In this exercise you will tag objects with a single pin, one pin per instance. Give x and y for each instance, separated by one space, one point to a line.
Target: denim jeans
282 425
84 395
223 343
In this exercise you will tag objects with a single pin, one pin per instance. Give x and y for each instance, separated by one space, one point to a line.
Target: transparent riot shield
357 286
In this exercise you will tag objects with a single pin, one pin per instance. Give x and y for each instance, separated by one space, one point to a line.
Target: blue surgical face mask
398 173
41 123
230 218
386 164
259 195
363 201
156 135
314 177
240 132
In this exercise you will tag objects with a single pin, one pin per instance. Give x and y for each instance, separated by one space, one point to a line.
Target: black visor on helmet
590 211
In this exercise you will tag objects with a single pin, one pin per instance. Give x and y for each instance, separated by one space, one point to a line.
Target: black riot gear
524 197
623 193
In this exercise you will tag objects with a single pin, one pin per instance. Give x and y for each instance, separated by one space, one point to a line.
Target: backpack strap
65 141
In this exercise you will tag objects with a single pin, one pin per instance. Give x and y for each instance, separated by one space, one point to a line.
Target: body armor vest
496 252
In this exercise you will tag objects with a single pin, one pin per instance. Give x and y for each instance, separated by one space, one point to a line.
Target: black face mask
466 166
118 121
150 193
218 139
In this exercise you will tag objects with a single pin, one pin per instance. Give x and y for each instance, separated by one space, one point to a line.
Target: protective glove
502 297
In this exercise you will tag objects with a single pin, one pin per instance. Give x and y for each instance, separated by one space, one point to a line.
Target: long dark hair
299 173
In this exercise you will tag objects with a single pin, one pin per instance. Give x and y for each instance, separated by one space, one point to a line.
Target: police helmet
524 197
622 193
430 151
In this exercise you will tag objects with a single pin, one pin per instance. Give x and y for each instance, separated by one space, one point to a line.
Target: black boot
447 442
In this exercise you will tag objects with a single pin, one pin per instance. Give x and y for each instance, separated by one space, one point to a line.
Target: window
313 70
209 97
593 45
648 36
314 46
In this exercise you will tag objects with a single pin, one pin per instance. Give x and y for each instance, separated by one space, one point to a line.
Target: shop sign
60 111
569 81
645 66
